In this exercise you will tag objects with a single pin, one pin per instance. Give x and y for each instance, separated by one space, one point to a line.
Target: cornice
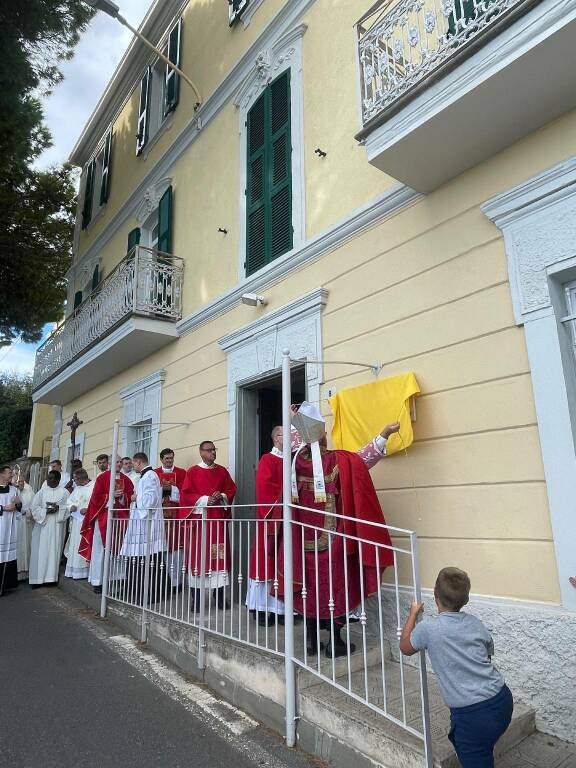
152 380
387 205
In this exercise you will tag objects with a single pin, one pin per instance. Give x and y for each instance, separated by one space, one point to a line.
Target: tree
36 207
15 414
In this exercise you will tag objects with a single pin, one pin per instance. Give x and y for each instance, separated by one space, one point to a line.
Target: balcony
446 84
130 315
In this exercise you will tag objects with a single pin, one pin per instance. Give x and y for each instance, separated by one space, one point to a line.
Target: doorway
259 411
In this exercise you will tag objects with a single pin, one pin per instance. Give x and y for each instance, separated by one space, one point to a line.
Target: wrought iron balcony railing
403 44
146 283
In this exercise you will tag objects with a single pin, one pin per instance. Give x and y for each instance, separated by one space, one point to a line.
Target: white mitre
311 425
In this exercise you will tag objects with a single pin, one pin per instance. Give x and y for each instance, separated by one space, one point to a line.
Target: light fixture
110 8
253 300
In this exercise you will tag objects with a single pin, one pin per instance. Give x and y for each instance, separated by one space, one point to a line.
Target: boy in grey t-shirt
460 649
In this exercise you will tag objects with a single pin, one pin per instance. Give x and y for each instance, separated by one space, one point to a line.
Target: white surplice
47 535
145 532
25 524
9 525
76 566
134 477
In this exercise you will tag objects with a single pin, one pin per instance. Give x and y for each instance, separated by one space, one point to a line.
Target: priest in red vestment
208 485
332 575
93 531
172 481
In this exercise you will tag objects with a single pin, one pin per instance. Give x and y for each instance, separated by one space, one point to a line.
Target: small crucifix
74 423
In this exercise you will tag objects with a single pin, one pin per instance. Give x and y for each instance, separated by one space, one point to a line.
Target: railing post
146 587
287 541
111 488
428 754
135 280
202 616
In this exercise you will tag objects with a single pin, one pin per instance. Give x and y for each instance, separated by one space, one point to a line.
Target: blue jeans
476 729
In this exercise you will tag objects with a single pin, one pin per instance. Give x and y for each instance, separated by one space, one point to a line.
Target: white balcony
129 316
446 84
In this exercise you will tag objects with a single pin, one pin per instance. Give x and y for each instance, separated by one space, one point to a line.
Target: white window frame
142 406
284 54
140 438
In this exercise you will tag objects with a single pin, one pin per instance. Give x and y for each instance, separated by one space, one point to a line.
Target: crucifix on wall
74 423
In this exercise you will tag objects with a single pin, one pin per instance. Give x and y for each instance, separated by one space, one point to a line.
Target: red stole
175 532
268 494
97 510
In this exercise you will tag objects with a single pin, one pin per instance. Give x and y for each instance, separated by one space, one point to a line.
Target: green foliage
36 207
15 414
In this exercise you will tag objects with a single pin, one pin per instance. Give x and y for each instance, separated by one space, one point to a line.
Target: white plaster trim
246 17
527 31
151 199
80 440
284 20
56 432
538 221
255 351
152 380
270 63
390 203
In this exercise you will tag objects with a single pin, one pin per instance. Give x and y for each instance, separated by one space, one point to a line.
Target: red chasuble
174 532
204 482
349 492
97 510
268 493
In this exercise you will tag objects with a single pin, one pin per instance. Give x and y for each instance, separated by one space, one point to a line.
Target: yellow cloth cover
361 413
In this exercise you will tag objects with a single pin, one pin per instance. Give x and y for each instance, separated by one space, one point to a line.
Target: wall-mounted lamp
253 300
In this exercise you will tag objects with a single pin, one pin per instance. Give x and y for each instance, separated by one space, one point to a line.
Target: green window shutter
95 277
165 222
269 179
463 9
171 79
105 181
77 299
144 111
133 238
88 194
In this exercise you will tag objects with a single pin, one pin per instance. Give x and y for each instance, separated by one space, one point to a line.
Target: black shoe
263 619
340 648
98 590
220 599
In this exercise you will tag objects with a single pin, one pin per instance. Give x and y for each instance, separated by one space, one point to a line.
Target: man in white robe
145 532
10 506
49 513
76 566
56 466
25 524
129 471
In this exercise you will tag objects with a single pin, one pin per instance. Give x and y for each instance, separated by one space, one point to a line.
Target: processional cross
74 423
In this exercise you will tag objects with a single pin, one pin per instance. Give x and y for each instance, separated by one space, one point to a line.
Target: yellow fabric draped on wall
360 413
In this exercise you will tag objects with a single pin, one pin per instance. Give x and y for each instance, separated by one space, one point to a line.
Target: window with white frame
570 291
97 181
159 90
141 415
142 437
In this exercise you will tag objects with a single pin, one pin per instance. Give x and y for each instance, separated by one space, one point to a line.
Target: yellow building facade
414 217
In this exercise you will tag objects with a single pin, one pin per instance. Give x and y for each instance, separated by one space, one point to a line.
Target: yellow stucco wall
425 291
41 428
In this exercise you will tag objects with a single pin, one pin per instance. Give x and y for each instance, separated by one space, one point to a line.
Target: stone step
370 734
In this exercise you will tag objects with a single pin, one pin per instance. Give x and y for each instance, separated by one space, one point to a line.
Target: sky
68 108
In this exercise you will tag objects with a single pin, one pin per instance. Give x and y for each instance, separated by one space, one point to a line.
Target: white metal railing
146 282
402 43
340 633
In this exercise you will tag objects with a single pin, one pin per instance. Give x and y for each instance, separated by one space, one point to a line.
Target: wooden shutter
105 180
95 277
269 180
77 299
165 222
144 111
133 238
463 9
235 9
88 194
171 79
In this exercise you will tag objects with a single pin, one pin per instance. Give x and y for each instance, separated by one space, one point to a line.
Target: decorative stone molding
141 401
151 199
255 350
538 220
56 432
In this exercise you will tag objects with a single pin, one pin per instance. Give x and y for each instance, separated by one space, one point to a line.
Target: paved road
74 694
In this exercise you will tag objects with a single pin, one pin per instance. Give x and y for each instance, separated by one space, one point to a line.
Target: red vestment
268 497
201 482
342 569
174 531
97 510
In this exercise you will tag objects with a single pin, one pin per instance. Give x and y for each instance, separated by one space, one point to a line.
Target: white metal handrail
146 282
401 44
